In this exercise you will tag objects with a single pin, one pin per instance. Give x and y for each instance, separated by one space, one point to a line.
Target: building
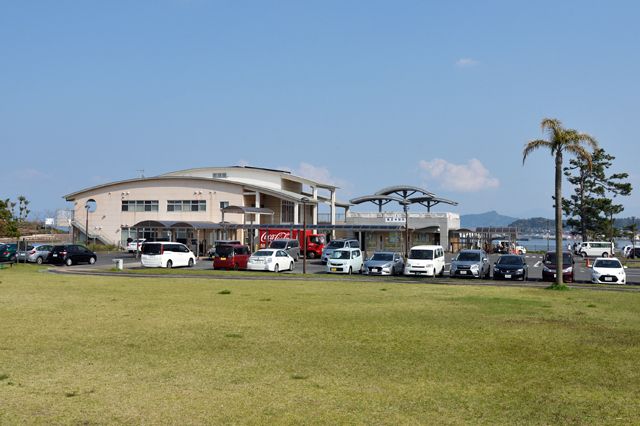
185 206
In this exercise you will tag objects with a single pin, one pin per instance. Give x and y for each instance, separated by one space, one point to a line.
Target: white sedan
270 260
608 270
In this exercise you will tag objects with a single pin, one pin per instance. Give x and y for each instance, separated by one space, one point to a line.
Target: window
287 211
139 206
224 204
186 206
219 175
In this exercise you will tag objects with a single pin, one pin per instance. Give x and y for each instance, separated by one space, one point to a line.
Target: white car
135 245
166 255
608 270
345 261
270 260
425 260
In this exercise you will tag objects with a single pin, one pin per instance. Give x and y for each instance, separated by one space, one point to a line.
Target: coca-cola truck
315 242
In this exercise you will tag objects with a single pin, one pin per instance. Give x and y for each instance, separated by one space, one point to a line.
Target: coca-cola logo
279 235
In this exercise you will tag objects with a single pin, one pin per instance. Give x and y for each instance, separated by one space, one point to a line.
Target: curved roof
373 198
404 189
432 200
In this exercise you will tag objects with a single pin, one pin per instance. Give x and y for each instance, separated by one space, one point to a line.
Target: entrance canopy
170 224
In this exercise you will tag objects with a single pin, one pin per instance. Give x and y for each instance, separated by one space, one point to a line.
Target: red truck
315 242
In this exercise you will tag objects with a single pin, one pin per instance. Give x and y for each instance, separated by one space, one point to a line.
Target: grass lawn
80 350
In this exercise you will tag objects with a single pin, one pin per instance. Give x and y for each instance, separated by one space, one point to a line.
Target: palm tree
561 140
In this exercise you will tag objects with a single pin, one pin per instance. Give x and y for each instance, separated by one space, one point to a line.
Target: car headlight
475 266
496 269
569 269
453 267
545 269
269 260
520 271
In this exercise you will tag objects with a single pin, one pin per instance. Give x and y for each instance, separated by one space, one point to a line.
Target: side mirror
590 266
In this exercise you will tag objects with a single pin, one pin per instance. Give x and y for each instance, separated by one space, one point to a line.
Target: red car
549 267
231 256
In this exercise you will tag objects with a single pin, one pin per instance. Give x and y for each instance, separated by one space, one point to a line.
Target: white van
596 249
425 260
166 255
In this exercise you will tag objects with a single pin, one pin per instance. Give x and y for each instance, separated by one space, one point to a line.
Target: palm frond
532 145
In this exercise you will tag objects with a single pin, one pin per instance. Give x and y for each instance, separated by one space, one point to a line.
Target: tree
561 140
8 226
589 209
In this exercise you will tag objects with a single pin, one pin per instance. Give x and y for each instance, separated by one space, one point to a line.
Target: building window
139 206
219 175
224 204
287 211
186 206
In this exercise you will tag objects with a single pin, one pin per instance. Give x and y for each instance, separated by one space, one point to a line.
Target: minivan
291 247
549 267
338 244
231 256
166 255
212 250
425 260
596 249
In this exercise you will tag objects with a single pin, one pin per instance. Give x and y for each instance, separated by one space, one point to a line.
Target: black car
511 267
70 254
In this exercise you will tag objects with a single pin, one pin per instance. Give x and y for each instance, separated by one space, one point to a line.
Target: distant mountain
492 218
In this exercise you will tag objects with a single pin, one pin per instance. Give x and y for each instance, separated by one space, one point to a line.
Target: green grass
103 350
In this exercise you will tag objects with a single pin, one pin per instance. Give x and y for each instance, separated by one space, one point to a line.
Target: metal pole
406 226
547 234
304 234
633 237
86 239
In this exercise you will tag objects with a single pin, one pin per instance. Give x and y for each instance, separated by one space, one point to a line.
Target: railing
326 218
95 235
395 215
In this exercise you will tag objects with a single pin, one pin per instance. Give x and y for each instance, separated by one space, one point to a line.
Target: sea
540 244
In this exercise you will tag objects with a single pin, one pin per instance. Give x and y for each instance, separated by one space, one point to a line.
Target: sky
442 95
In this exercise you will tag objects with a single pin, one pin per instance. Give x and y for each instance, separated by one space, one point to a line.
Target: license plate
333 269
151 256
223 258
417 273
608 278
463 272
507 276
55 255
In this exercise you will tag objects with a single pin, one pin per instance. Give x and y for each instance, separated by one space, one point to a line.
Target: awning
168 224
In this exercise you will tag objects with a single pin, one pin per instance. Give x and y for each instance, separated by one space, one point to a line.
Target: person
569 246
575 248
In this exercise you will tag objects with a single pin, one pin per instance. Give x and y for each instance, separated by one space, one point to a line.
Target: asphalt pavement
315 267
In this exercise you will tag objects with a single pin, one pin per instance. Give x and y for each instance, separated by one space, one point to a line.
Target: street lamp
86 240
547 234
304 234
633 237
406 230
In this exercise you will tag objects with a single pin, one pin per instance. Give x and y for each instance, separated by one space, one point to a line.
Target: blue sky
363 94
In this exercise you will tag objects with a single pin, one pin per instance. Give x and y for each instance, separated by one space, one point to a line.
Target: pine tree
589 209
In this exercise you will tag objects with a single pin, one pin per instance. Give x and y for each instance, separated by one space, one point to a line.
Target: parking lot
315 267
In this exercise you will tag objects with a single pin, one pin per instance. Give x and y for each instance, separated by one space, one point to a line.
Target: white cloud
322 174
31 174
461 178
465 63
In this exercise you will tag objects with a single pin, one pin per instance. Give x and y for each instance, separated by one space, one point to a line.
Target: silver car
471 263
36 253
384 263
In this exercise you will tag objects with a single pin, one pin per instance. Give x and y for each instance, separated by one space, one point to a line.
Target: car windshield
551 258
278 244
335 244
263 253
224 251
468 257
607 263
421 254
316 239
510 260
340 254
384 257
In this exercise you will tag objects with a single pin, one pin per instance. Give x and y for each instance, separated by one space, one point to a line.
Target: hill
491 218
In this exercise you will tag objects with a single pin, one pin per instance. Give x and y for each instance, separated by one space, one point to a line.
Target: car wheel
291 266
190 263
169 264
481 276
361 269
311 254
236 267
605 254
583 254
276 268
297 256
349 273
69 262
39 261
92 260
